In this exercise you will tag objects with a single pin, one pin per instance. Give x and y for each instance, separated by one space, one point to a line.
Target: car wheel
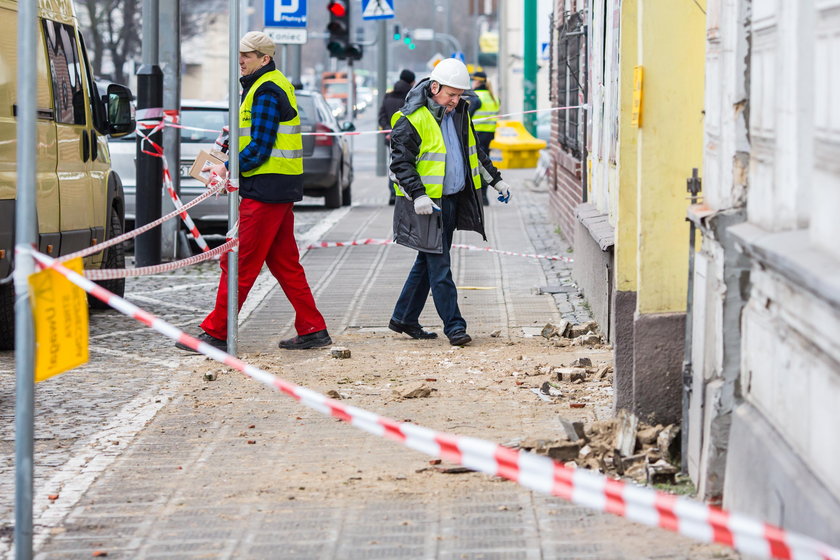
7 316
114 258
346 197
333 197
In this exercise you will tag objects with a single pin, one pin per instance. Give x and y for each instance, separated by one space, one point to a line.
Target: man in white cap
270 182
437 167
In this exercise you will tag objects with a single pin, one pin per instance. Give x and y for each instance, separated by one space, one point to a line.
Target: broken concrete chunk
340 352
576 331
333 394
668 442
587 340
647 436
496 334
417 392
581 363
551 390
551 330
603 372
570 374
572 429
662 472
564 451
625 433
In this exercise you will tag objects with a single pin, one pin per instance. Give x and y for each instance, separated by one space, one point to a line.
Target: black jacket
422 232
391 103
270 187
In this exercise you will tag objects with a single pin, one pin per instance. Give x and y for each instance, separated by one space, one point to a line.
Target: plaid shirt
265 118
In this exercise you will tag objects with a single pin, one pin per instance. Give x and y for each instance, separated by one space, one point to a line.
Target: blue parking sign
285 13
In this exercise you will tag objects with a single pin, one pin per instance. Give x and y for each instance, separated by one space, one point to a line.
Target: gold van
79 198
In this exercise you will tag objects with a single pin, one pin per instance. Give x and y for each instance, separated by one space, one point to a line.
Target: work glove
504 191
423 205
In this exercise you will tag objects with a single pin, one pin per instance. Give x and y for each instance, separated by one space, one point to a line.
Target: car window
306 108
325 114
212 120
65 70
336 88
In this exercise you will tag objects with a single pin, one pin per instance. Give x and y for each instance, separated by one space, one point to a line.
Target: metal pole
233 173
294 73
26 235
381 86
149 168
170 46
501 62
529 54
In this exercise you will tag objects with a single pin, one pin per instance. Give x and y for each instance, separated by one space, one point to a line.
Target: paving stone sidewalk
191 484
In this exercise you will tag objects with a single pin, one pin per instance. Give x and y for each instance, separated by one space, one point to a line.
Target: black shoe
392 199
414 331
311 340
206 338
460 338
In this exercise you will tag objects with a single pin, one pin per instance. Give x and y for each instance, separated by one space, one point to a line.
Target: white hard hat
451 72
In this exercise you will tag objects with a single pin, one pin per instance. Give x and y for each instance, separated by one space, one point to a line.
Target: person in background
438 168
486 109
391 102
271 168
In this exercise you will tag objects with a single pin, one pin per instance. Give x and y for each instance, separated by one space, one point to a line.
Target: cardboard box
202 160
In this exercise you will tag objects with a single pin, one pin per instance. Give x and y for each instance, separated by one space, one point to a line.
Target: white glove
423 205
504 191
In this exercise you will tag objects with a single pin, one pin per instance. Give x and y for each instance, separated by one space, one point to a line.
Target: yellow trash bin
513 147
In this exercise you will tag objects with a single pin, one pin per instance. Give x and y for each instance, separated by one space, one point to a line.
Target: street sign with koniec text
286 35
377 9
285 13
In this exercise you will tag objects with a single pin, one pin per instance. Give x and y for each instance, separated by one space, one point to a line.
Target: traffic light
338 28
397 34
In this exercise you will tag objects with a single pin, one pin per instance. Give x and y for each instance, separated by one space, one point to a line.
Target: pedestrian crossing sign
378 9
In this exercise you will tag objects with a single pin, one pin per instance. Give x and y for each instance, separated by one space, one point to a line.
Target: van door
47 181
74 142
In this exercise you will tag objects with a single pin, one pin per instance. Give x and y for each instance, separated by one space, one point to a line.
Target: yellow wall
626 243
671 48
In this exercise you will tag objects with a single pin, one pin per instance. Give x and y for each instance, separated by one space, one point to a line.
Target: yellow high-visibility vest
489 108
287 151
431 161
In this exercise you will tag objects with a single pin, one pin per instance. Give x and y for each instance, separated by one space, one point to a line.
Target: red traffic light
337 8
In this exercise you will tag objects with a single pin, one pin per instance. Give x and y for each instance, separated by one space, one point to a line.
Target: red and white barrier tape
386 131
112 273
681 515
212 189
358 242
171 117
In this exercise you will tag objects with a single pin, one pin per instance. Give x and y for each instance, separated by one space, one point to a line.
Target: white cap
451 72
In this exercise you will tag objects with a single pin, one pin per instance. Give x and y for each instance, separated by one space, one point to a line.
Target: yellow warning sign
60 314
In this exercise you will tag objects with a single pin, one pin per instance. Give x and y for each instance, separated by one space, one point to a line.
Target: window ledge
791 254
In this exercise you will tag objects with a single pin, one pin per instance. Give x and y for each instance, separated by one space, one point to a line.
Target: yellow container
513 147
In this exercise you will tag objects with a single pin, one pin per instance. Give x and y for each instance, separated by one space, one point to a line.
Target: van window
66 73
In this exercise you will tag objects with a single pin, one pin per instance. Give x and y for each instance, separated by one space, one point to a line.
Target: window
569 79
65 70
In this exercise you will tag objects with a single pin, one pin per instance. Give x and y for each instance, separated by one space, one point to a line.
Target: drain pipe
693 186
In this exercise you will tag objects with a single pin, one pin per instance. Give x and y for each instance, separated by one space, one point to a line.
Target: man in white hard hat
437 167
270 182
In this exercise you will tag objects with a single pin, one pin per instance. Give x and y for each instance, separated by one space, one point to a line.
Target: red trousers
267 235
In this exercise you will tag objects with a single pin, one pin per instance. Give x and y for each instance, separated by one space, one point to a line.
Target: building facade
765 325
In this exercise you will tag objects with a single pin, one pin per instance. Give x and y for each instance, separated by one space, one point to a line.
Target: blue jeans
432 271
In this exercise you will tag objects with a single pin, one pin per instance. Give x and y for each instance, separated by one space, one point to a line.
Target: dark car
327 161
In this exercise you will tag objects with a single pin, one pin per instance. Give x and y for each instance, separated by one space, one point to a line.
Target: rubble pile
567 334
621 447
